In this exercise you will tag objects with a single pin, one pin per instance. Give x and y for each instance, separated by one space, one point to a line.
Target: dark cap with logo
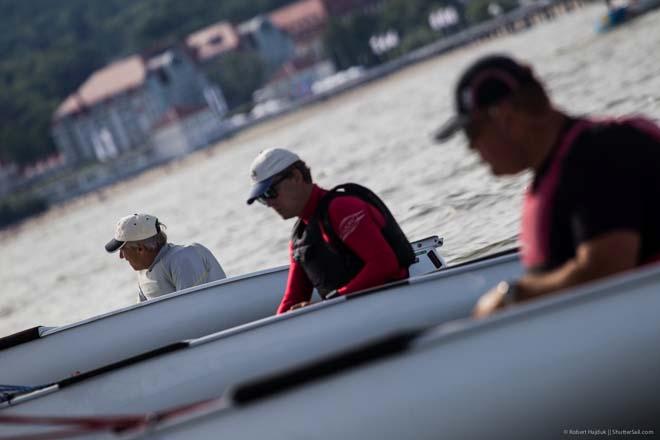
483 84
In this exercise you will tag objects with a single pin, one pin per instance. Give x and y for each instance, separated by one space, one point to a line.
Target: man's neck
307 209
546 132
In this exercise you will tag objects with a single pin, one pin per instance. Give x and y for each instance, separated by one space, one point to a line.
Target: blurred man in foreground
345 239
161 267
592 207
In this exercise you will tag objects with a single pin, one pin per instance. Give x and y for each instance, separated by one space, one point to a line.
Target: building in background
148 101
273 45
117 108
304 21
184 129
294 80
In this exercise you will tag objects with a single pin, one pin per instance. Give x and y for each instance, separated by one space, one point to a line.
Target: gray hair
152 243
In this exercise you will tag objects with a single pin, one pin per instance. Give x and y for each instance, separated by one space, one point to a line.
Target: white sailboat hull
587 360
204 368
66 351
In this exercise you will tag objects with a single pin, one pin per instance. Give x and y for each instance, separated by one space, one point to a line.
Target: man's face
491 134
135 255
290 199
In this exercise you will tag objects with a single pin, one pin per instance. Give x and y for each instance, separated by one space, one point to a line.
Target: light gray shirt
176 268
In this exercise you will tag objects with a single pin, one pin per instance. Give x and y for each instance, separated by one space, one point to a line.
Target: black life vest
330 266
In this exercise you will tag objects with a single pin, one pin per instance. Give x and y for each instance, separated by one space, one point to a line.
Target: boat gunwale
196 289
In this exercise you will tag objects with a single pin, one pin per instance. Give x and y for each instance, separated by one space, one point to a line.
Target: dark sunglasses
271 193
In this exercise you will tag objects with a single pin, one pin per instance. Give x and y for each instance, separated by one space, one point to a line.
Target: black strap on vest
391 230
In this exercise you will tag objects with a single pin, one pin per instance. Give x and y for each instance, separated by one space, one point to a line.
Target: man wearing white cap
161 267
345 239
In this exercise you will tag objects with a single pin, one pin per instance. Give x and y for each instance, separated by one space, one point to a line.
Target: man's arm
602 256
298 287
605 255
353 221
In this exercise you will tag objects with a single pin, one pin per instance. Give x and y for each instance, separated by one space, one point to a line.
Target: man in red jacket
345 239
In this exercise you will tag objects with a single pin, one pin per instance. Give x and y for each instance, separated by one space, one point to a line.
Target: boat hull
206 367
551 369
67 351
35 357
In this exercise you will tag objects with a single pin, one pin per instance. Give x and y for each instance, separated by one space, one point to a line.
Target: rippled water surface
54 270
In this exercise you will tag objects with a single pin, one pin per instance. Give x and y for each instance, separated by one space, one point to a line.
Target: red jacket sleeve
298 286
358 225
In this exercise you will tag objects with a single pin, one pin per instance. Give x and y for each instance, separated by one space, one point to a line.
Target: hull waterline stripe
298 376
121 364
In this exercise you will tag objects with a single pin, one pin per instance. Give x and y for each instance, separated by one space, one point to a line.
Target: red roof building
116 78
303 20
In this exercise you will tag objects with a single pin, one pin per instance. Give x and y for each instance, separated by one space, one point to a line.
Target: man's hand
300 305
492 301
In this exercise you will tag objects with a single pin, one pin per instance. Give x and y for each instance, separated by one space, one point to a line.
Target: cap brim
450 128
258 189
113 245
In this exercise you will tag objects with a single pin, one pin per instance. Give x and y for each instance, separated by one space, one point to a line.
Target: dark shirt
609 180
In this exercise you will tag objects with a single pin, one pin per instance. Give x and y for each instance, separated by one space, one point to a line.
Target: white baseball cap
266 165
133 228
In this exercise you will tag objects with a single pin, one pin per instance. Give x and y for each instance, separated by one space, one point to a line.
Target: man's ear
296 175
502 114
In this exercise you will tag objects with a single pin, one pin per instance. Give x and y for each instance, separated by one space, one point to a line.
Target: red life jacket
538 204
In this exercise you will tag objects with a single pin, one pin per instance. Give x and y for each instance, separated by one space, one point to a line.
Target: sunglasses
271 193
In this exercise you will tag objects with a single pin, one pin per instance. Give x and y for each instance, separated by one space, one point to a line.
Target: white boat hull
204 368
68 351
587 360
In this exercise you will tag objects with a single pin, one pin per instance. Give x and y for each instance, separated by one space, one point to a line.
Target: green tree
238 74
346 41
